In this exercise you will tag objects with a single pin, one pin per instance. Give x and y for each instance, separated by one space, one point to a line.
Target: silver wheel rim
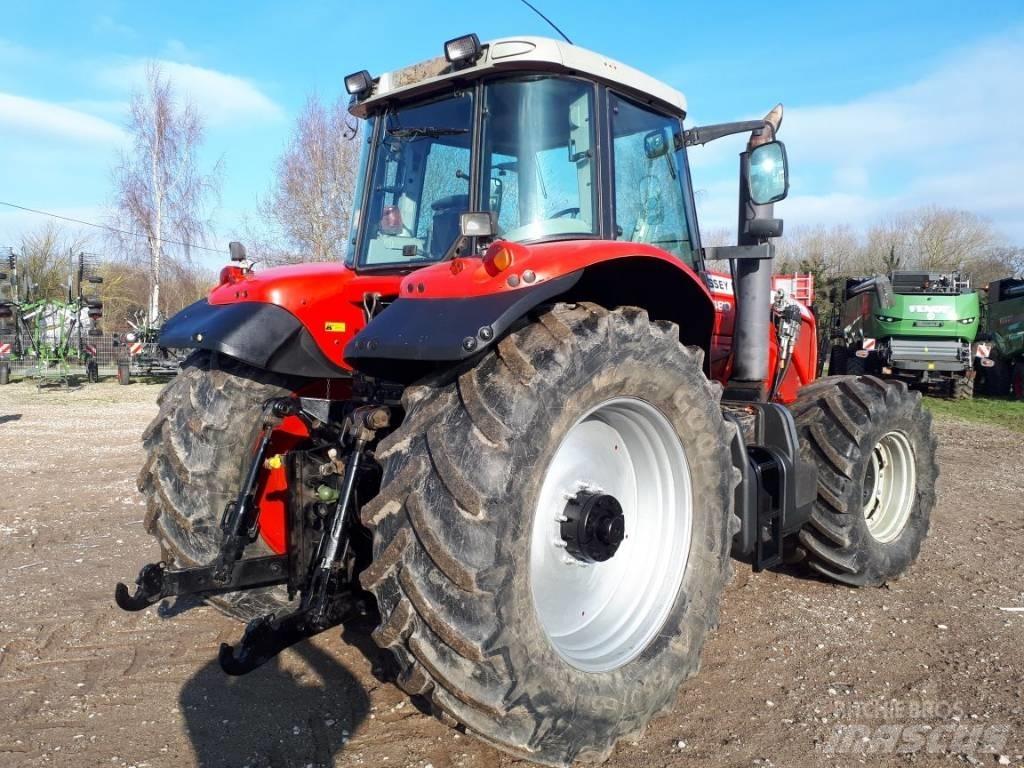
600 616
890 485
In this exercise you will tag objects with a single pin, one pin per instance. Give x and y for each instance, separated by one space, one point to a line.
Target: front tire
873 444
477 604
197 449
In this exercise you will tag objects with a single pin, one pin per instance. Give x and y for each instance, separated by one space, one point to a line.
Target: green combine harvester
913 326
1000 351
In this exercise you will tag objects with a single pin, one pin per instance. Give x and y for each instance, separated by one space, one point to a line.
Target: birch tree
309 207
160 191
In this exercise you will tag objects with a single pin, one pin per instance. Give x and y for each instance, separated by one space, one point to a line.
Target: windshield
420 182
538 157
537 170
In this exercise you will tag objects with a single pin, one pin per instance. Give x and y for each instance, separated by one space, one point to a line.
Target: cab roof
526 54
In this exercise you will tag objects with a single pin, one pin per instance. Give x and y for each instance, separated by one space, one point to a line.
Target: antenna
533 8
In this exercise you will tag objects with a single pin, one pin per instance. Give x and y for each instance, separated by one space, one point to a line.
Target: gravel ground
800 672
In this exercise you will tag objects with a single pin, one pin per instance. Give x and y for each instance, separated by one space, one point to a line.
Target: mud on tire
840 420
452 531
197 449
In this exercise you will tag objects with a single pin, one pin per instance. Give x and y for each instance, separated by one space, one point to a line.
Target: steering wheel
574 212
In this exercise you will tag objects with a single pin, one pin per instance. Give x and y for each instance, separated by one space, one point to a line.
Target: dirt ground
800 672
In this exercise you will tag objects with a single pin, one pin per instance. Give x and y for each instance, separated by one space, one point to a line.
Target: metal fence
109 349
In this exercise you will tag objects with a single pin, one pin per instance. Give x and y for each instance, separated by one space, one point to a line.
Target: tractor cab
555 142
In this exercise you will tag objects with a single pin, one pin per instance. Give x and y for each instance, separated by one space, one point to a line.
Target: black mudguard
263 335
412 335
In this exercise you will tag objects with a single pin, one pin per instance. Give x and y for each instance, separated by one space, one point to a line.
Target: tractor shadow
282 714
10 417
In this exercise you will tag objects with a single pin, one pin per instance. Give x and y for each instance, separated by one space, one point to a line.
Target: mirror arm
704 134
738 252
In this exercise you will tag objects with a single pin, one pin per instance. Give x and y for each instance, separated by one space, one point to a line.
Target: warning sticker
334 327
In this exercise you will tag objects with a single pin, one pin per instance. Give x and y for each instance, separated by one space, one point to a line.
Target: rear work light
359 83
231 274
463 51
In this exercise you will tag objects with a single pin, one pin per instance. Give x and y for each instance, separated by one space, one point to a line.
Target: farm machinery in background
519 432
48 336
917 327
140 354
999 356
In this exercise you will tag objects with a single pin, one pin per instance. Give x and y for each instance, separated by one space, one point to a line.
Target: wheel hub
593 526
602 596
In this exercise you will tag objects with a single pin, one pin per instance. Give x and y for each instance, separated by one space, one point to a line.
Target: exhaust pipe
752 278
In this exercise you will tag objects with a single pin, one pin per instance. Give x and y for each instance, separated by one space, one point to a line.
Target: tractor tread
437 528
195 452
839 420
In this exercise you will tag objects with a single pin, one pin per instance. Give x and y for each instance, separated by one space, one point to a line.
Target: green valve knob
326 494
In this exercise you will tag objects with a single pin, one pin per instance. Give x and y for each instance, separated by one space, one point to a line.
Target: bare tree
888 246
948 238
44 266
310 205
160 191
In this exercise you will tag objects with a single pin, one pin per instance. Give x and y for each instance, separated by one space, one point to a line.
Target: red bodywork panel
328 299
468 277
803 364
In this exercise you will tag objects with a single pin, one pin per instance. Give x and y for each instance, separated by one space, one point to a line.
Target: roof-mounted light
463 51
359 83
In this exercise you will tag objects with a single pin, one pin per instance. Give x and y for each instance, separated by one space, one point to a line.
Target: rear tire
197 449
873 444
456 537
1017 381
963 387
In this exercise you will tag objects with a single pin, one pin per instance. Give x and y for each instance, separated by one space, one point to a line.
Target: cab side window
650 179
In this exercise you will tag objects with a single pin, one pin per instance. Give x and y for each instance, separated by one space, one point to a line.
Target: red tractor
521 429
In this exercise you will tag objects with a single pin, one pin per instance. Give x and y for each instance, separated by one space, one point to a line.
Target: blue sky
890 105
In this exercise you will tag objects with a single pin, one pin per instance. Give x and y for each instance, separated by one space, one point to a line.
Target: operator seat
445 226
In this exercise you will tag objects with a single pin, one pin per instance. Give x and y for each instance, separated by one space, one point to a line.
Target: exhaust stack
752 278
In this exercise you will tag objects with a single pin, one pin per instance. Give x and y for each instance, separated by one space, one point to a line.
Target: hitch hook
148 591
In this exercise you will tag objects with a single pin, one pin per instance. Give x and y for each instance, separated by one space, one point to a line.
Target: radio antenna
554 26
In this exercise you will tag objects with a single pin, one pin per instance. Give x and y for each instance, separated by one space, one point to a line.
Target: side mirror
768 173
655 145
236 250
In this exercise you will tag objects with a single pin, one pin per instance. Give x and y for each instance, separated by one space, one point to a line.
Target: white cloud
34 118
952 137
220 97
176 50
108 25
15 224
